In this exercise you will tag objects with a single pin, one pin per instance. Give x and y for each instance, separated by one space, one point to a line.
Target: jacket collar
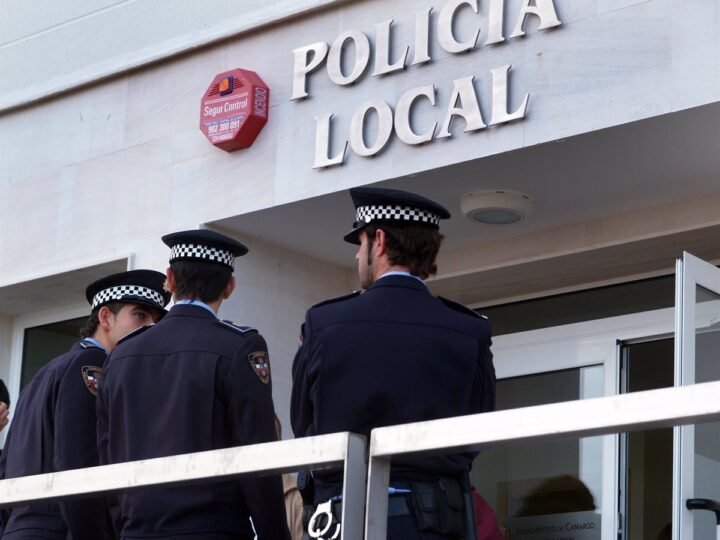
189 310
407 282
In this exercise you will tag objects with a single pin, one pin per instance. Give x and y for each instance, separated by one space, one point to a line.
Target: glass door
558 489
646 471
697 360
544 490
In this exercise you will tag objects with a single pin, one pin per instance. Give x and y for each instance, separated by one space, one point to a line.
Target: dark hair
91 325
411 245
200 280
557 495
4 393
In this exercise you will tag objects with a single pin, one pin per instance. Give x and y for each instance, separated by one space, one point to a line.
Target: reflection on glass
707 436
43 343
649 454
550 489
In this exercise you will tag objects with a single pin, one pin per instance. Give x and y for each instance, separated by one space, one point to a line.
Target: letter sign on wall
234 109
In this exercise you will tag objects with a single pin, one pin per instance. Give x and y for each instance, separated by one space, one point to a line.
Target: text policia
463 103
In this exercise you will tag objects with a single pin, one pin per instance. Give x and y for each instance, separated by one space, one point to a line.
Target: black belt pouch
451 508
425 501
439 507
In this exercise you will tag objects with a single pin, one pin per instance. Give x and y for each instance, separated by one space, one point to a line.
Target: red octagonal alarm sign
234 109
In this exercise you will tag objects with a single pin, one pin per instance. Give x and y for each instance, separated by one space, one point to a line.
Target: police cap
204 245
134 287
380 205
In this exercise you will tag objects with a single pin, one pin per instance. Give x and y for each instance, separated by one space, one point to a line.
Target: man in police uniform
54 424
192 383
396 354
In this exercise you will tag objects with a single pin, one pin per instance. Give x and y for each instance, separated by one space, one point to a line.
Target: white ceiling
634 166
63 289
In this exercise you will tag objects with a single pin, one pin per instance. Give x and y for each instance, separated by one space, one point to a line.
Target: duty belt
326 521
397 506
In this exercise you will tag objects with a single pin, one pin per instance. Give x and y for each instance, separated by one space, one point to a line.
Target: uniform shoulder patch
91 376
337 299
260 362
461 308
135 332
236 327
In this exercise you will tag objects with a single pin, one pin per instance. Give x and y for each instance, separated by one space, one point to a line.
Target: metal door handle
705 504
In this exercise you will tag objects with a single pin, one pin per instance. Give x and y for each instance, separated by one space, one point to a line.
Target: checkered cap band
202 253
366 214
121 292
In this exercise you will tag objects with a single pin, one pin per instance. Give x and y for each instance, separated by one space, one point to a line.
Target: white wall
46 47
5 346
5 352
115 165
106 170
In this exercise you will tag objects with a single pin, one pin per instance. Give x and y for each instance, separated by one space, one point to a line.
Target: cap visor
145 303
353 237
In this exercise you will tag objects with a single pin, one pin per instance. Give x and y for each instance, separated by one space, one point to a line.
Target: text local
463 103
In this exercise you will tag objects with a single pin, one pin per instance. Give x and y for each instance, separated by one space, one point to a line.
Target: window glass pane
588 305
549 489
43 343
649 474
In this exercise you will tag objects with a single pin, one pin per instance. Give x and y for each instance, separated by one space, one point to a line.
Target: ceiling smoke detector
496 206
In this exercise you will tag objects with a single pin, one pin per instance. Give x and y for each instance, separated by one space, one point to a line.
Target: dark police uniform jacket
53 429
392 355
188 384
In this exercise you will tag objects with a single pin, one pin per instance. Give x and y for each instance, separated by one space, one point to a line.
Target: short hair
200 280
91 325
409 244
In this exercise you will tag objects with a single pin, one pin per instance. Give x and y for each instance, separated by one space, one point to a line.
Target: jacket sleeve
101 438
484 395
102 442
301 406
248 393
75 442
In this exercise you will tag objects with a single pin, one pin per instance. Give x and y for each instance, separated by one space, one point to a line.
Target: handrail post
376 505
354 476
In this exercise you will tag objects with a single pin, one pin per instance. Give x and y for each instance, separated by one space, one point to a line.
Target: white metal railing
600 416
640 410
322 451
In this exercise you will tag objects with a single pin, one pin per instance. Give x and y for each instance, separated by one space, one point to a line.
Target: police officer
193 383
392 355
54 424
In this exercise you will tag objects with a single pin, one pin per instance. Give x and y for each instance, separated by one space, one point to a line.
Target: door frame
690 272
20 323
578 345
